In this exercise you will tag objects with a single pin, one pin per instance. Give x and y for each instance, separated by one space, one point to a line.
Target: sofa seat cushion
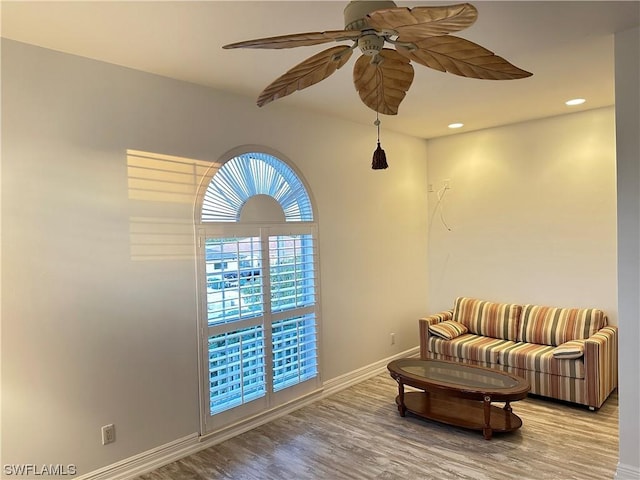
496 320
539 358
555 326
469 347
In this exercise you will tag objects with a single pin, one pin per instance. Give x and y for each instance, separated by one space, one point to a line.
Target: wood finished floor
358 434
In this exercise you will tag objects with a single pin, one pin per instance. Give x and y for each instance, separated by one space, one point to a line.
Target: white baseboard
145 462
627 472
170 452
348 379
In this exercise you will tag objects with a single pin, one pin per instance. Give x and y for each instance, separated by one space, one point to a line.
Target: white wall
93 335
532 212
627 54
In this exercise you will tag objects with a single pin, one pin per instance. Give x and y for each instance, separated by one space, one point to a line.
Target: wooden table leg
486 431
508 410
402 408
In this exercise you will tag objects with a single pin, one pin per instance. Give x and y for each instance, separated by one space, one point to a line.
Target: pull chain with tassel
379 157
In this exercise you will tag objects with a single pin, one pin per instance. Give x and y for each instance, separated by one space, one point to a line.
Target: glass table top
457 374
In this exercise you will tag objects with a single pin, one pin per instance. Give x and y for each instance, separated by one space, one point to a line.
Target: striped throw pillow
569 350
447 329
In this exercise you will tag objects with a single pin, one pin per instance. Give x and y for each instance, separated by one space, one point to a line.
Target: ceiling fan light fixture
370 45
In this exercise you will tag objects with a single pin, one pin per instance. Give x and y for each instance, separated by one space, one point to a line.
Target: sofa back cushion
496 320
555 326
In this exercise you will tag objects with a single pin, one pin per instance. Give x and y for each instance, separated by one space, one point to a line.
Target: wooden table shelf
459 412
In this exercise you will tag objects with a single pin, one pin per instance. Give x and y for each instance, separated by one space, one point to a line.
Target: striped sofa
569 354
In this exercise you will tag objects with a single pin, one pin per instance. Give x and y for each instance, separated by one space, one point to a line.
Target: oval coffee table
459 394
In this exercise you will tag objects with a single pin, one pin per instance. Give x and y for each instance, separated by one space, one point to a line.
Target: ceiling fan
382 76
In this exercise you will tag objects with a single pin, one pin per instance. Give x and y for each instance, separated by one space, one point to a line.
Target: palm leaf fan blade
420 22
383 83
459 56
309 72
297 40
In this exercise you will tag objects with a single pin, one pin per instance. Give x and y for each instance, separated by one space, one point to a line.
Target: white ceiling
568 46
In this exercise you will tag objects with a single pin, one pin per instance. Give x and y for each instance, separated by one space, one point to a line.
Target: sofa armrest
424 323
601 365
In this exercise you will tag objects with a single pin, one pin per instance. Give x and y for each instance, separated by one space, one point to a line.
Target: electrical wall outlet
108 434
393 339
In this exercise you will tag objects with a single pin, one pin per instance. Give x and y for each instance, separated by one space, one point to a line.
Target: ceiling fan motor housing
355 12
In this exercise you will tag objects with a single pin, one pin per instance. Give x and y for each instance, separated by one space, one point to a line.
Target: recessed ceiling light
456 125
575 101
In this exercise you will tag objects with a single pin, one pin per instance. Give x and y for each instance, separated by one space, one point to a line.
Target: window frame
225 229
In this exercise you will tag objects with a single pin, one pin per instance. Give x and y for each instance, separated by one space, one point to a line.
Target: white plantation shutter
259 293
234 279
292 272
294 351
293 300
236 368
253 174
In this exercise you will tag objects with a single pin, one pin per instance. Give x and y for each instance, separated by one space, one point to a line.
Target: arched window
245 176
258 276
